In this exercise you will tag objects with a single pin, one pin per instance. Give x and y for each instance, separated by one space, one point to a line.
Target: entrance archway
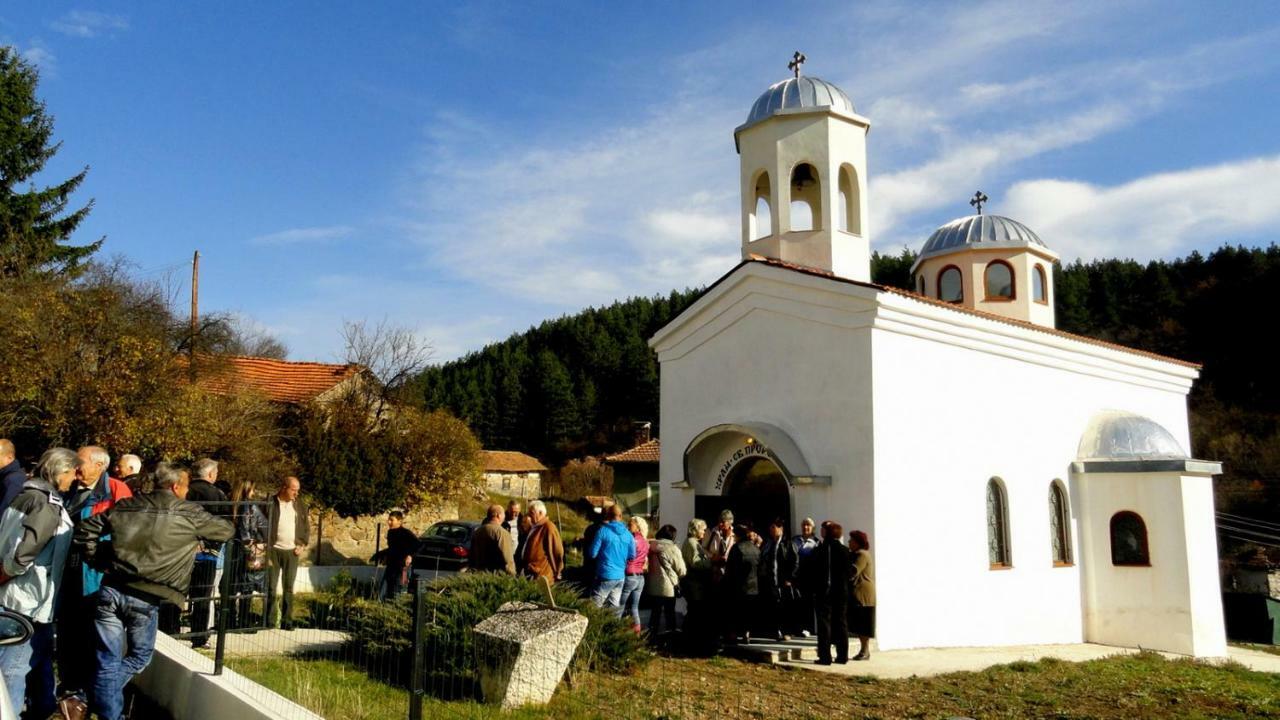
756 491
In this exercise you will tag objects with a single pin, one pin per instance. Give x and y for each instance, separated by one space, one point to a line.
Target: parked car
444 546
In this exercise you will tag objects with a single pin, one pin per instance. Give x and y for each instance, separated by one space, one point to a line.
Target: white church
1020 484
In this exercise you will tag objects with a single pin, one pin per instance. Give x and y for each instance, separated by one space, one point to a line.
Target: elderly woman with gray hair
695 587
35 535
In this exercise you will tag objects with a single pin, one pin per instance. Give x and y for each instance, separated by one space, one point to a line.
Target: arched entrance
755 490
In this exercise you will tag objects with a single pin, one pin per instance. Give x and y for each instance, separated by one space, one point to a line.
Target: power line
1250 540
1248 521
1248 532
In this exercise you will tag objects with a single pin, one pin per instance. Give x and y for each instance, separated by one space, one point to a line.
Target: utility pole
195 312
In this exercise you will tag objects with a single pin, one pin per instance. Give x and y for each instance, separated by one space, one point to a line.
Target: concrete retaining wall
181 681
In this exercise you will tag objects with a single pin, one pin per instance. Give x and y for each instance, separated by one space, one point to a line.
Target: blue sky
467 171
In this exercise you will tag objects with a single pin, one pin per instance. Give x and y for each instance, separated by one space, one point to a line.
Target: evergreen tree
33 227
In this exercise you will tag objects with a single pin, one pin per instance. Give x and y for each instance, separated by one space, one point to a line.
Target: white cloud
89 23
303 235
651 203
1154 216
43 58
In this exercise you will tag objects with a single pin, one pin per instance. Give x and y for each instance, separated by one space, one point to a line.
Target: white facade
890 413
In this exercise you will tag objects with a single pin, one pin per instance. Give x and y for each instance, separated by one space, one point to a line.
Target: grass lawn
1133 686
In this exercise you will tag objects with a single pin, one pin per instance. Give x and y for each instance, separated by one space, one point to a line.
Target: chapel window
1039 286
999 280
920 282
950 286
1129 540
1059 528
998 526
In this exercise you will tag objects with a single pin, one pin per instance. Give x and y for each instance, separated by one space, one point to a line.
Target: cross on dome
796 61
978 199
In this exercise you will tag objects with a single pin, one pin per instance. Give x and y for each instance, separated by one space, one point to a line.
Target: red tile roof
282 381
643 453
510 461
753 258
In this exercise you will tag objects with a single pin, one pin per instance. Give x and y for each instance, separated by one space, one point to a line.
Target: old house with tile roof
1043 478
635 475
513 473
283 381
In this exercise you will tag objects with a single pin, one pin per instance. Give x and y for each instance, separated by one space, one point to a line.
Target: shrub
382 632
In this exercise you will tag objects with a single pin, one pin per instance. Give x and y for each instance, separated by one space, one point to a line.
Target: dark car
444 546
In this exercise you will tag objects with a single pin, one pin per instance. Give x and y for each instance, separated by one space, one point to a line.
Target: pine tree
33 226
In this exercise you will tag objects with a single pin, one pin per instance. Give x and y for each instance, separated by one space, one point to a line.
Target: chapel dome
796 93
1120 435
979 231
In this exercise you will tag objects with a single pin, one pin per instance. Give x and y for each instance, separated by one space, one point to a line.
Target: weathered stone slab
523 651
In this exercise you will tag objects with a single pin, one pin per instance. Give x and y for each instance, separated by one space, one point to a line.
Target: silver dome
986 231
802 92
1120 435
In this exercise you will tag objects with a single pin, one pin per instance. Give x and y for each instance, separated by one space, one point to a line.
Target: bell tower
803 154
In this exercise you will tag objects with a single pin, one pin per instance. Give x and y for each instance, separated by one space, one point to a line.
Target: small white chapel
1020 484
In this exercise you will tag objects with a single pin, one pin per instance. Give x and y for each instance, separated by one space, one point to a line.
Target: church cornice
850 304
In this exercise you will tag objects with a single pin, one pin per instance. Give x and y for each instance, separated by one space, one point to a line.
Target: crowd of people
99 561
736 582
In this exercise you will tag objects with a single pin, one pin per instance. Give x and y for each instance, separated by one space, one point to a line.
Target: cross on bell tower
796 61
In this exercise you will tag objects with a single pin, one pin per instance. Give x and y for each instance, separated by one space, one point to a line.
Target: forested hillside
574 385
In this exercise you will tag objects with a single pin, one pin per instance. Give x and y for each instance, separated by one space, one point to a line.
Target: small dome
1119 435
987 231
801 92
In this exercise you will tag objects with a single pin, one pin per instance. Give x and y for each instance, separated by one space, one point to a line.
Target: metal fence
356 651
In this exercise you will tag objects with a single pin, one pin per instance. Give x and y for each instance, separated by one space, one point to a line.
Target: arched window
762 214
920 282
1059 527
806 198
1039 286
850 207
950 285
999 280
1129 540
998 526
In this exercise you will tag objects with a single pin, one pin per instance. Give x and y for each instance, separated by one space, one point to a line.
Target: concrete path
284 642
938 661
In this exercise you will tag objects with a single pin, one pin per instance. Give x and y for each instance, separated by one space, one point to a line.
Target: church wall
947 420
1175 604
759 362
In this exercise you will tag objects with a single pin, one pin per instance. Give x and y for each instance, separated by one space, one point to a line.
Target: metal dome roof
986 231
1120 435
799 92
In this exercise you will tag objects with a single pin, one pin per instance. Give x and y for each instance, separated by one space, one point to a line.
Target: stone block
523 651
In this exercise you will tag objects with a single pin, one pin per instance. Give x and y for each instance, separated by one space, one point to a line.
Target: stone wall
351 541
522 485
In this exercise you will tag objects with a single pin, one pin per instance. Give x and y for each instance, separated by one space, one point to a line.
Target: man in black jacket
148 561
828 581
11 475
778 563
204 574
